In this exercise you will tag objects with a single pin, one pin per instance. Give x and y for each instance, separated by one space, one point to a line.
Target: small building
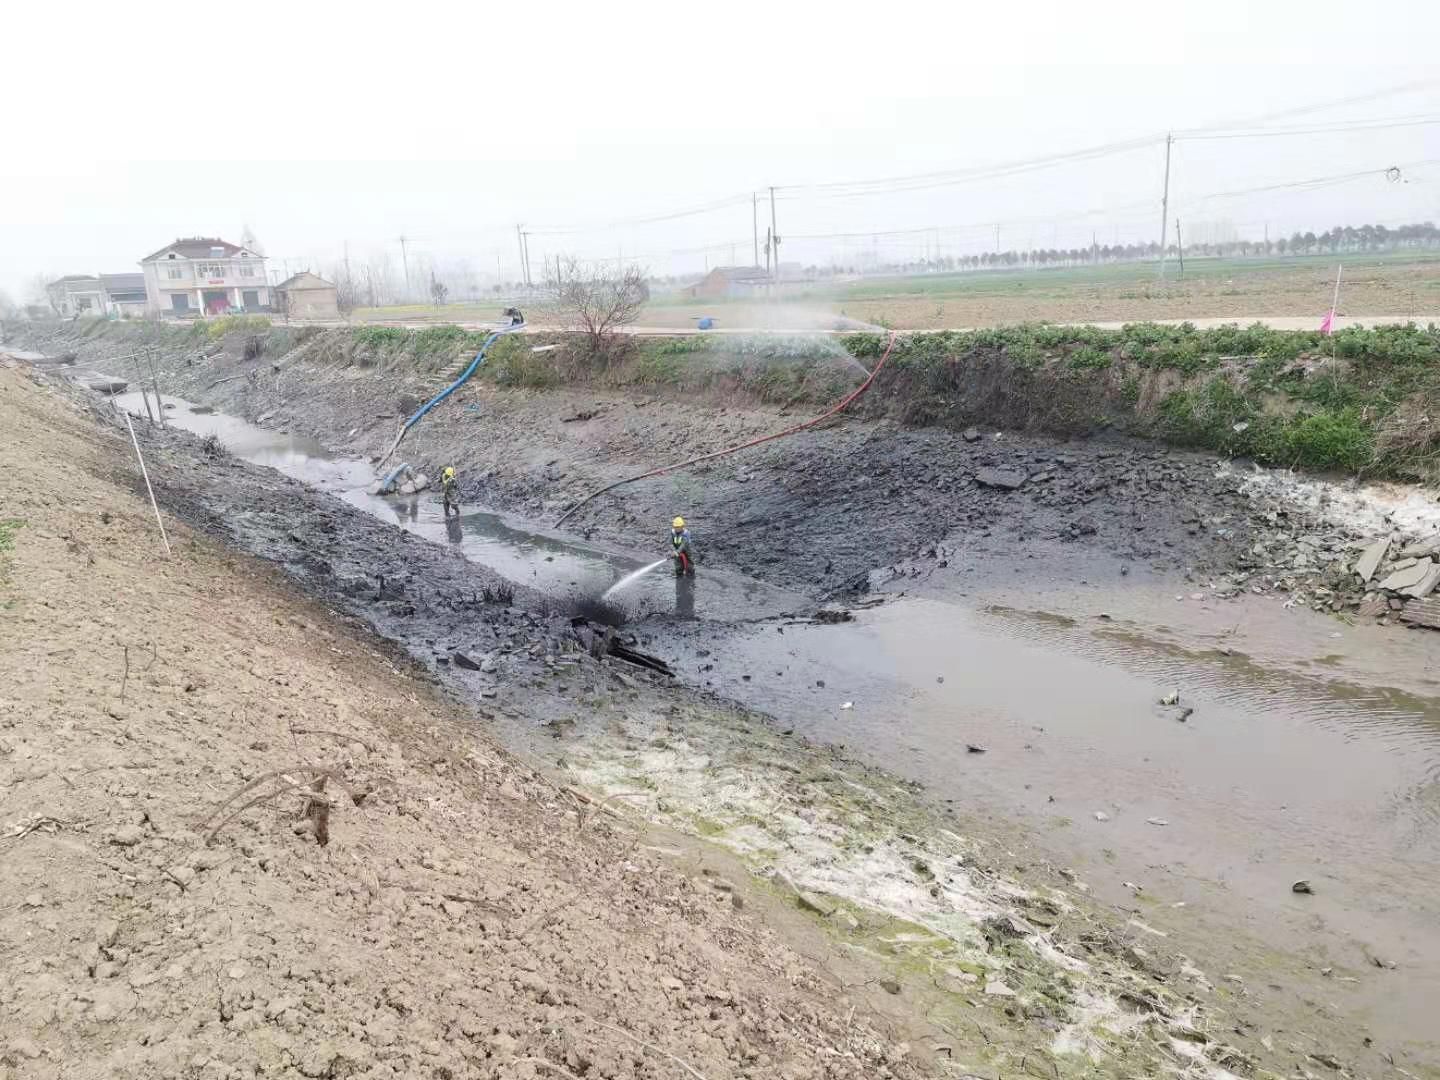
204 275
308 296
76 294
124 294
100 295
728 281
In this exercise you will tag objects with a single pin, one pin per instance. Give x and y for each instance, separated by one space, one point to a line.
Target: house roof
196 247
304 280
741 273
123 282
72 278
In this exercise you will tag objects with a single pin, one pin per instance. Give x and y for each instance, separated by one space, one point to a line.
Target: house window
247 270
211 270
173 272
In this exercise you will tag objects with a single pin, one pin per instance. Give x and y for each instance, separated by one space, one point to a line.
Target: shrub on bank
1361 401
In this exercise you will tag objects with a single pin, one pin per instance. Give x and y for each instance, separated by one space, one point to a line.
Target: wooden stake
146 474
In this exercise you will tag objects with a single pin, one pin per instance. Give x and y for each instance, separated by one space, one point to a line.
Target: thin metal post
1165 203
755 224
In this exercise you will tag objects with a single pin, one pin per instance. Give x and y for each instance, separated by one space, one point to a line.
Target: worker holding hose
681 549
450 490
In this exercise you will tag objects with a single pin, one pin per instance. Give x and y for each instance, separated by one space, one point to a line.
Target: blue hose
443 394
386 484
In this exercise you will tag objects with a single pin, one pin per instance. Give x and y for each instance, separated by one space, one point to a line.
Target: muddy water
525 554
1277 775
1282 772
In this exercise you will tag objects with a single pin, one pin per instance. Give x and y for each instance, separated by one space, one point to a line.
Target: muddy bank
1046 982
424 905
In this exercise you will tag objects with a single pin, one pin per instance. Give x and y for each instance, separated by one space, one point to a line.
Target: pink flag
1327 325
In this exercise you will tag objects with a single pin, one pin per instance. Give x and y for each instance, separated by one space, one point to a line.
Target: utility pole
774 235
405 261
525 251
997 239
520 243
1180 249
755 224
1165 203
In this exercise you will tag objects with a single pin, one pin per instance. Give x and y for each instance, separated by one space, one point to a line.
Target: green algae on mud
1035 969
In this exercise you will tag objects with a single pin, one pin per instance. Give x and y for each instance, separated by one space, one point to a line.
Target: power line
1120 211
651 219
1338 128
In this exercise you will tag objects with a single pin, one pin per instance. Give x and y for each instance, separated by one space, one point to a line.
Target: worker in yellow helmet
681 548
450 490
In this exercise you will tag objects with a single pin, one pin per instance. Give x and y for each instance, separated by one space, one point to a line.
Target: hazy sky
317 124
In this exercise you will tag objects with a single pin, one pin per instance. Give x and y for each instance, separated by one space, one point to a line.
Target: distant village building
309 296
727 281
76 294
124 294
205 275
107 295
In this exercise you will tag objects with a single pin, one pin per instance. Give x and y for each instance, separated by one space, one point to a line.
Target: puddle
1276 776
551 563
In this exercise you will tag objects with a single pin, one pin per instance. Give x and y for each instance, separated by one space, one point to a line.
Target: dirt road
167 910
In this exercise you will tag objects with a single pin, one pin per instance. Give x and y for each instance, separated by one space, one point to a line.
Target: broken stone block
1426 585
1422 549
1407 577
971 435
1371 558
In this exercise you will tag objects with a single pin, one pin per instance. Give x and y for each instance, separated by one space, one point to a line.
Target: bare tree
249 240
438 290
597 300
37 292
349 289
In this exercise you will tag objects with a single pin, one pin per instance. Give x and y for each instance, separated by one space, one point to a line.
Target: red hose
845 401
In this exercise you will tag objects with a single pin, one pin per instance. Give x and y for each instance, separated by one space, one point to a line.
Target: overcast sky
317 124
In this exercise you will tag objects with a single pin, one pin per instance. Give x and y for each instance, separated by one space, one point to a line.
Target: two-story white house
205 275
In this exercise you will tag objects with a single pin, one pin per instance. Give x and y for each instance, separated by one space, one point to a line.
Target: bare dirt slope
462 921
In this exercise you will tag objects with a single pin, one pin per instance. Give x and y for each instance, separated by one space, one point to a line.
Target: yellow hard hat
449 471
678 523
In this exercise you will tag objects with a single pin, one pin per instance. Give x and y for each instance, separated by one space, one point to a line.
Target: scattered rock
809 901
1301 886
974 748
971 435
127 835
1172 698
1005 479
1156 821
461 660
1100 815
998 989
23 1048
890 986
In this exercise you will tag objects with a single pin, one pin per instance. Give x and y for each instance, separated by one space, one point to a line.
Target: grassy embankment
1363 401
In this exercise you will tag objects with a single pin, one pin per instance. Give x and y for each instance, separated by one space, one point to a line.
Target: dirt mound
169 911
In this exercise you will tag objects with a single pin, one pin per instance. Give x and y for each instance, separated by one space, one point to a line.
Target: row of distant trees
1343 239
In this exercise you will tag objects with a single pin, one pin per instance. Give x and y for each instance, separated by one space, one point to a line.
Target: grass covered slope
1361 401
1364 401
